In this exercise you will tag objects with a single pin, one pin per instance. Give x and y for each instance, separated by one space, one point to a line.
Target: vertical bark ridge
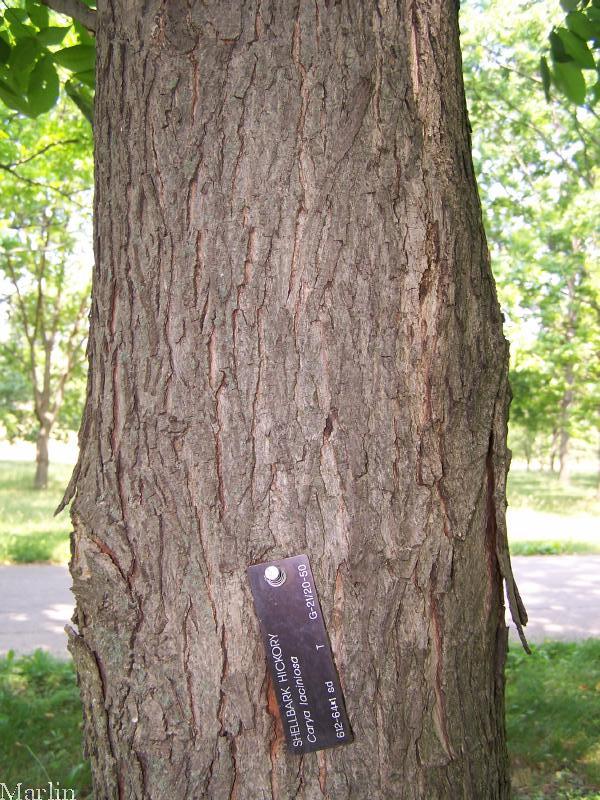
295 347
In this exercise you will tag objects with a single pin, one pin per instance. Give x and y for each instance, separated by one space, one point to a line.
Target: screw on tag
274 576
299 656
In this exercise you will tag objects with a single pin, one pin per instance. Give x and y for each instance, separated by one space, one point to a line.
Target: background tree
45 275
537 165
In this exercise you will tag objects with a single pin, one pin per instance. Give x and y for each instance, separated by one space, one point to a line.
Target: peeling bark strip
295 347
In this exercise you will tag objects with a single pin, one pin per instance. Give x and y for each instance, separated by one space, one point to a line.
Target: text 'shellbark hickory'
295 347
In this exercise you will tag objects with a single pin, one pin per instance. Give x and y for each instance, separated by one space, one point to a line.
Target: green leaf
79 58
12 99
569 5
88 78
16 18
85 37
38 13
546 77
15 15
569 79
576 48
595 93
4 50
581 25
42 91
557 48
52 35
24 53
82 100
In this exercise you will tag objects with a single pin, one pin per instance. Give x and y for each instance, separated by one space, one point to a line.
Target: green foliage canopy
537 166
39 51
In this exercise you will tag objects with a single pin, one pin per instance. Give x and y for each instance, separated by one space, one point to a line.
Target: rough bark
295 347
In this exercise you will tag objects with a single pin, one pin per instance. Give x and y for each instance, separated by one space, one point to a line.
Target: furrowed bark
295 347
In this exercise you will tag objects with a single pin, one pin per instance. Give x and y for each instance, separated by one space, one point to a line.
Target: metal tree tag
299 655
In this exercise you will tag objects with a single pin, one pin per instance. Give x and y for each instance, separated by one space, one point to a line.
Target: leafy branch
37 55
571 51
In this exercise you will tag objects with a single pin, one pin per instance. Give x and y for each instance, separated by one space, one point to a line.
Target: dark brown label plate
299 655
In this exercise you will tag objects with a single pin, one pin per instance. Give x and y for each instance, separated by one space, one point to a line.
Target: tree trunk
564 434
598 474
553 449
569 393
563 456
40 480
295 347
528 447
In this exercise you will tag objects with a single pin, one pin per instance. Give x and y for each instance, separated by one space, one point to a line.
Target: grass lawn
28 529
542 491
40 725
553 723
553 720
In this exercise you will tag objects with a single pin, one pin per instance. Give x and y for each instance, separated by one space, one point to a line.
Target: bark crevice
295 347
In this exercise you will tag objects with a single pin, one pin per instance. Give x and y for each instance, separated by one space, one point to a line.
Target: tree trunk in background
553 450
598 473
295 347
528 447
564 435
40 480
569 393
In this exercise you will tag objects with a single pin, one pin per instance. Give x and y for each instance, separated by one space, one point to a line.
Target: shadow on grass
552 703
40 725
543 491
553 720
29 531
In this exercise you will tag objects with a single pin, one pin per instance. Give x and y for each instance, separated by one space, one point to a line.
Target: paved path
562 595
35 605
